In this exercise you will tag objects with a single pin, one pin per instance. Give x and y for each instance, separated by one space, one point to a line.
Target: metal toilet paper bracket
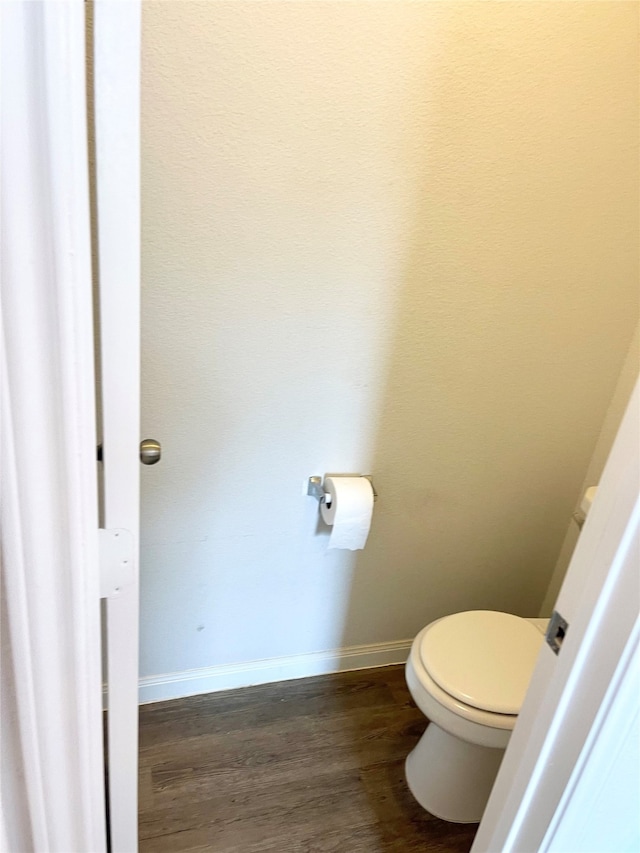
315 489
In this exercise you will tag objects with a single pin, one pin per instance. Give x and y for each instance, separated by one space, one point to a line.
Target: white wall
397 238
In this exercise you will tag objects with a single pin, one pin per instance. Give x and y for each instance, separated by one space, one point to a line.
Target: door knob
150 451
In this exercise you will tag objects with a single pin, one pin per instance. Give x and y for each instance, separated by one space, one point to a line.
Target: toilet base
450 778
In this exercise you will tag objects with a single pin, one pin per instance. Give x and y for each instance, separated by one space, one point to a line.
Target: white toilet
468 673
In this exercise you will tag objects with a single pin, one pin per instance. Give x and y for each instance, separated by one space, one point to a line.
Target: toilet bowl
468 673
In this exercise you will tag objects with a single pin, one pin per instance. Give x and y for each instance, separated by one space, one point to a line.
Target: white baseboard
174 685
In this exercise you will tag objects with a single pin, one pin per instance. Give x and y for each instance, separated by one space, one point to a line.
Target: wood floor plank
253 815
283 752
252 707
314 766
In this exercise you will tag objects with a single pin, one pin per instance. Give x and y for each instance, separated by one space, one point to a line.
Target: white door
117 144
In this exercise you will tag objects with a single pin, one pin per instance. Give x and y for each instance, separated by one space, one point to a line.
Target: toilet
468 673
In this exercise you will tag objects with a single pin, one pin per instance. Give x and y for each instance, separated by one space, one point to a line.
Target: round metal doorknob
150 451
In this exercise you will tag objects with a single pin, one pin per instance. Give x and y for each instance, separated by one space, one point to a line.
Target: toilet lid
482 657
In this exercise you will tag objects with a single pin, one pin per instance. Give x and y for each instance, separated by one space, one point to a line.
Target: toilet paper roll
349 512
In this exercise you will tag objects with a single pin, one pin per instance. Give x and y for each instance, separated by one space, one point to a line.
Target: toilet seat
427 694
482 658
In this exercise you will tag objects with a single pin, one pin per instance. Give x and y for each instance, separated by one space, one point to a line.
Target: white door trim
600 601
49 491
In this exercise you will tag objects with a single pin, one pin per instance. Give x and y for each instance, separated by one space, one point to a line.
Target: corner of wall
610 425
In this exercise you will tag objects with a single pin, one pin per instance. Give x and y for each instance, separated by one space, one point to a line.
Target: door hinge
117 570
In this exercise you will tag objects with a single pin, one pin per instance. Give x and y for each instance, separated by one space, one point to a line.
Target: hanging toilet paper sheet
349 513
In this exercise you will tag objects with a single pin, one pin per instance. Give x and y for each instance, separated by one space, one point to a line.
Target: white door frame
571 693
116 65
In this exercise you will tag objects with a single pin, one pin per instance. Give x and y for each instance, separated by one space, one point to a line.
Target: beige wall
628 378
398 238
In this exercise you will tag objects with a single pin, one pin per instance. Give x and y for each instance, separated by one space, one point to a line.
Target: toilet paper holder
315 489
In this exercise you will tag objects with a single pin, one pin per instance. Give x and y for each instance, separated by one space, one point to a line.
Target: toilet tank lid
484 658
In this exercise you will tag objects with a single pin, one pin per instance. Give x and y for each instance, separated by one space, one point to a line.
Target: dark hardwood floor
315 765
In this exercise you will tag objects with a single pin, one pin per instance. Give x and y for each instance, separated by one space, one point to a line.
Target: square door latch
556 631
